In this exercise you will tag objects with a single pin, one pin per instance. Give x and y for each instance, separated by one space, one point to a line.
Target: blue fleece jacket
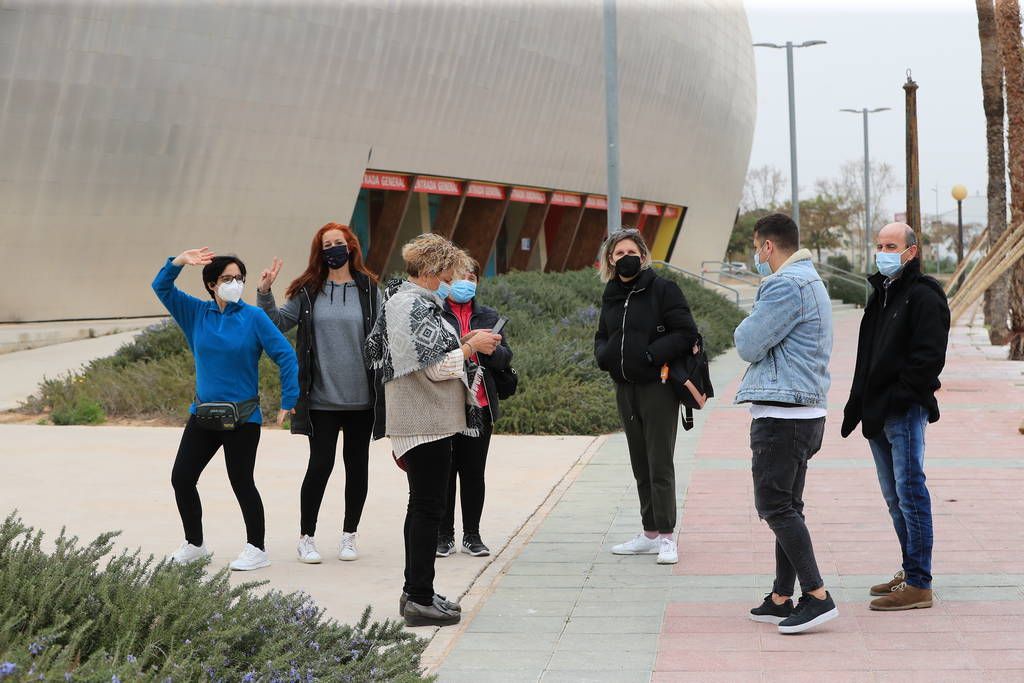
227 345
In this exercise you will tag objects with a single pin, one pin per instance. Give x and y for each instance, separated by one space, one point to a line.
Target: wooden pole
913 169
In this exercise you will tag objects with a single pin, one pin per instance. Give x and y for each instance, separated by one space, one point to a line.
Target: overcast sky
871 45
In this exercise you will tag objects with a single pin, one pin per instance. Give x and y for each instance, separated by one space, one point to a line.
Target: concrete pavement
96 479
565 609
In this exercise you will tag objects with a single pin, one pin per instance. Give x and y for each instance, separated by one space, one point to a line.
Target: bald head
897 234
897 238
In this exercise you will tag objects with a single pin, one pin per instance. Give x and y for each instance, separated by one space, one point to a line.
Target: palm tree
997 297
1011 51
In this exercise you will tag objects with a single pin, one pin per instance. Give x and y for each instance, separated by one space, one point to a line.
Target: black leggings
469 458
427 470
197 448
323 443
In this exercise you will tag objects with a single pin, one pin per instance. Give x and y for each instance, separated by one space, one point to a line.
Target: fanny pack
224 416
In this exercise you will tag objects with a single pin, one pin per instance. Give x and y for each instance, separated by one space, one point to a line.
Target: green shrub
84 411
552 321
80 614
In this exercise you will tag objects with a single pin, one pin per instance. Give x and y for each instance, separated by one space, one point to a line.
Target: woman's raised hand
194 257
268 276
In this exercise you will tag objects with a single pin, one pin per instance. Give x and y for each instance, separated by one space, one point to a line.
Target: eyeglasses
224 279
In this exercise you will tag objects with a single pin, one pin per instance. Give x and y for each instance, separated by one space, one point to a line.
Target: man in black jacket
900 353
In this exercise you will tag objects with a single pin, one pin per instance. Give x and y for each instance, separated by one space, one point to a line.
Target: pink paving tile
737 624
709 642
706 609
1001 660
899 641
1000 640
705 677
788 675
933 677
970 624
923 660
825 640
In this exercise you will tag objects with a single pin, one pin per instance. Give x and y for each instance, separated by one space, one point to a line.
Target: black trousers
650 418
469 458
323 444
781 449
197 448
427 469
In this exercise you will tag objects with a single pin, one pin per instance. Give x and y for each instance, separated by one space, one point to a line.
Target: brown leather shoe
886 588
904 596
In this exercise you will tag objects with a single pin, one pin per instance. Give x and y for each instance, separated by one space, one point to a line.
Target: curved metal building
131 131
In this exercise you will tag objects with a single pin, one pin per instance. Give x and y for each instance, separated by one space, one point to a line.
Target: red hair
315 275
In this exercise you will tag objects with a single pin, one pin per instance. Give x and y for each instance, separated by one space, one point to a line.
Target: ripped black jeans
781 449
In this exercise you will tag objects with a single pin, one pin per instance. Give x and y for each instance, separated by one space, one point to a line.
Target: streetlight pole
611 94
795 201
867 182
959 193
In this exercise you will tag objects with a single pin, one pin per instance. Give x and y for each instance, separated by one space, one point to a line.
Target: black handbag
224 416
687 375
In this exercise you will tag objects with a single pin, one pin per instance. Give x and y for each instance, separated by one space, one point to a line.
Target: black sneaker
472 544
445 546
770 613
809 612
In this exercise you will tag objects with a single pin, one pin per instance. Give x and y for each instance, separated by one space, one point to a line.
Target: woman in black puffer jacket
645 323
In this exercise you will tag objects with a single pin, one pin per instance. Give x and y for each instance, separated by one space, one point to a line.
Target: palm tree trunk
1011 51
997 302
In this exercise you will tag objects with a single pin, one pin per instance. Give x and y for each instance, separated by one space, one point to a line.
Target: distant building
131 131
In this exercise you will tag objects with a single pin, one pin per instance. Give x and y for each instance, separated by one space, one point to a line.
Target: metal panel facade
130 131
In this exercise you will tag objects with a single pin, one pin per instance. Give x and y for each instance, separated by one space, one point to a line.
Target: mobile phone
499 326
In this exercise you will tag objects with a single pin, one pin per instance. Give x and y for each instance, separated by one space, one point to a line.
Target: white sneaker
250 558
667 551
639 545
307 551
189 553
348 550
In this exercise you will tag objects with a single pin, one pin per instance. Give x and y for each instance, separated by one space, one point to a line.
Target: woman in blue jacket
227 337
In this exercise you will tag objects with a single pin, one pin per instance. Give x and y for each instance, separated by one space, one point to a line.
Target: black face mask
336 257
627 266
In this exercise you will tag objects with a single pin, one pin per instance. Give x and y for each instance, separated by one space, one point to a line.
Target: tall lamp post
792 116
611 103
959 193
867 182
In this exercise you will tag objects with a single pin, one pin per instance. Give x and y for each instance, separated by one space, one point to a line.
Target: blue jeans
899 459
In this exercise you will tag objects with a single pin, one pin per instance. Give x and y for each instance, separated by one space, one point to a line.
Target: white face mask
230 291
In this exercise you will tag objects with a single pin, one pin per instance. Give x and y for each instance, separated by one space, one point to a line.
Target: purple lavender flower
115 679
7 669
249 677
315 645
35 648
131 659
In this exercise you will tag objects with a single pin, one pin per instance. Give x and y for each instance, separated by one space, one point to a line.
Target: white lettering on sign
485 191
524 244
671 211
566 199
437 186
651 210
595 202
385 181
630 206
525 194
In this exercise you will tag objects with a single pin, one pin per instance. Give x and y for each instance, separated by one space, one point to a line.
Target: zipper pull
664 373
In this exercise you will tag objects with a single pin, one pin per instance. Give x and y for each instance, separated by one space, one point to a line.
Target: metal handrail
848 277
744 276
684 271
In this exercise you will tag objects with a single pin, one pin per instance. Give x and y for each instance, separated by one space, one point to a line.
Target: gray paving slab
536 641
614 659
446 675
578 676
612 623
599 642
502 624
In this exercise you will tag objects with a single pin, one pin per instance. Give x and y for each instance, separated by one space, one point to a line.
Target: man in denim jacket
787 339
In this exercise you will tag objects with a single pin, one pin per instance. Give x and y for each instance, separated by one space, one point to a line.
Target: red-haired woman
335 303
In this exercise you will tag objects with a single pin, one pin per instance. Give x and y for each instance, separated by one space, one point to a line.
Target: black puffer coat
643 325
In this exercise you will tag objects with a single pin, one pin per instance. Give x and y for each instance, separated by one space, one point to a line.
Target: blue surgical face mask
463 291
763 268
889 263
443 290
